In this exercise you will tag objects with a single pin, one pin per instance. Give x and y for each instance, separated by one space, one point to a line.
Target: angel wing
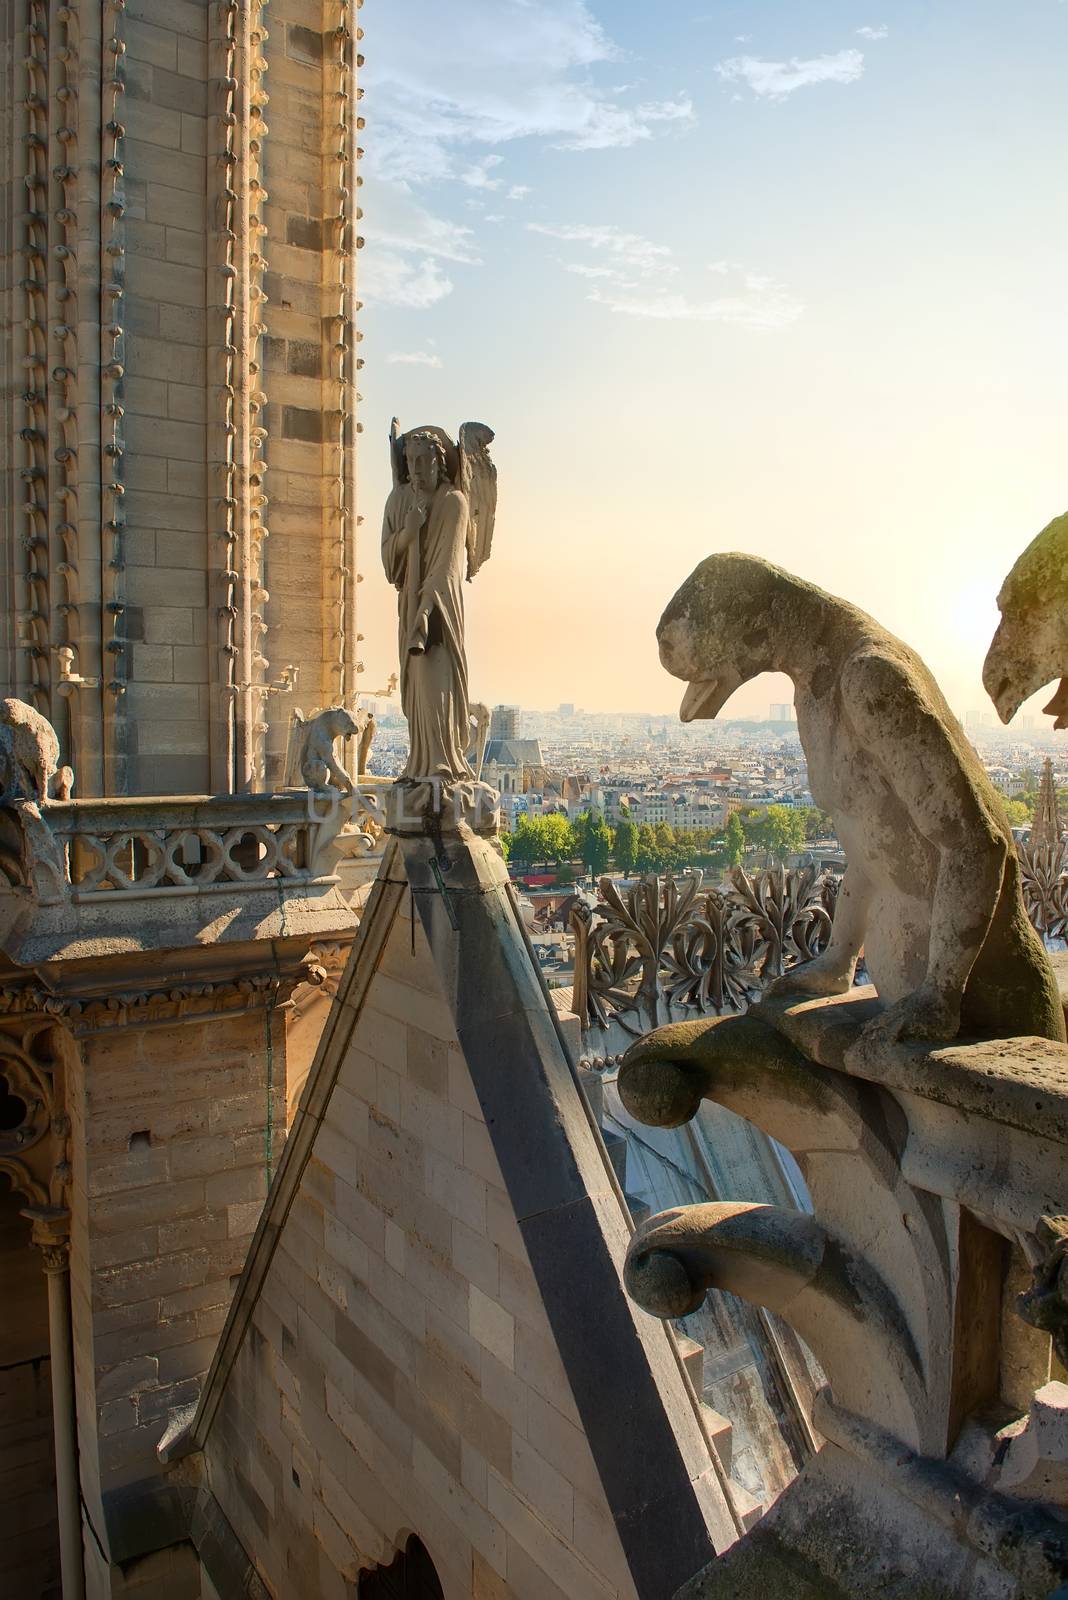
396 452
478 480
294 748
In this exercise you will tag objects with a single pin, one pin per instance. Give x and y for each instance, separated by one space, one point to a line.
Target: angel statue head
438 530
424 458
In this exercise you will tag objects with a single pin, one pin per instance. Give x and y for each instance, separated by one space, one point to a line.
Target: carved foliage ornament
34 1128
647 952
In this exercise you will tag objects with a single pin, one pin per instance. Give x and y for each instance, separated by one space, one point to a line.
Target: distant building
513 765
1046 828
566 708
780 712
503 722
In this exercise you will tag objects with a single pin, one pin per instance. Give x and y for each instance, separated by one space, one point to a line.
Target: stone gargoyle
312 741
29 755
31 858
1030 648
932 888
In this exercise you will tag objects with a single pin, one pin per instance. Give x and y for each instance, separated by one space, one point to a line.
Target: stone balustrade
190 844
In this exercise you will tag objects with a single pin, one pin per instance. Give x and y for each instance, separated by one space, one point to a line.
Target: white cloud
640 255
390 279
401 223
478 176
502 70
412 358
582 269
642 279
400 264
775 80
760 303
881 32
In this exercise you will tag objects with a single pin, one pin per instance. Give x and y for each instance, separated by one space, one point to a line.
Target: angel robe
433 667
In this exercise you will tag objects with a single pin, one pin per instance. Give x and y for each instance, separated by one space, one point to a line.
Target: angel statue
438 528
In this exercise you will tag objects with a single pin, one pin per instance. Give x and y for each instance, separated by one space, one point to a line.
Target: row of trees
777 831
1021 810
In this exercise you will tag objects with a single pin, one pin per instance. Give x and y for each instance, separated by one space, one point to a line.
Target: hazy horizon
778 279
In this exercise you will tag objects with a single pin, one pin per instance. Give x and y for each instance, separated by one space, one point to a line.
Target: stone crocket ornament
931 892
1030 648
437 529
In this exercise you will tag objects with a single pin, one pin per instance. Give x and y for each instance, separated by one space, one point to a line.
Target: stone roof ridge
663 1485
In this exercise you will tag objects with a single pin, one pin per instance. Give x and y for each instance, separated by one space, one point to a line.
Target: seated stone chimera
932 889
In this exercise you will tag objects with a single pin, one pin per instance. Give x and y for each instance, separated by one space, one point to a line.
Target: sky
751 275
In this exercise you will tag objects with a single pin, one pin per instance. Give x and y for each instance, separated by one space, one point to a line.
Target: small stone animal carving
29 750
932 888
1030 648
318 766
367 733
480 727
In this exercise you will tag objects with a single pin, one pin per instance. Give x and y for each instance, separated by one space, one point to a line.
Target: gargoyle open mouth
706 697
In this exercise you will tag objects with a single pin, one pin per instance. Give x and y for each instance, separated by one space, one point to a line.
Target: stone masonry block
548 1491
492 1326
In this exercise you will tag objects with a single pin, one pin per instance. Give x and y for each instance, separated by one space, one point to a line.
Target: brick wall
400 1374
176 1128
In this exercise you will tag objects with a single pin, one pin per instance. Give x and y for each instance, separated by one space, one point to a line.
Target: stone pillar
50 1235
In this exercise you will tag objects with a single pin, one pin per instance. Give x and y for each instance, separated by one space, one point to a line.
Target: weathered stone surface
932 887
431 1344
1030 647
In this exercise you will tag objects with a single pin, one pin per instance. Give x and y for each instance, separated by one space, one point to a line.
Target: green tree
557 840
525 841
687 848
593 840
780 832
818 824
599 842
645 853
734 840
506 844
1017 813
626 844
665 847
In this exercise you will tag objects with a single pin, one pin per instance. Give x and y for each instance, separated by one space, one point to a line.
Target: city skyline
755 280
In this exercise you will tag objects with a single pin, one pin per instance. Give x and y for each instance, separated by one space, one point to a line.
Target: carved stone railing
86 879
85 850
188 846
663 949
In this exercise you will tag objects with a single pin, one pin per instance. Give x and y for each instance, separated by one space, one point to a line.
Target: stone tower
1046 828
179 227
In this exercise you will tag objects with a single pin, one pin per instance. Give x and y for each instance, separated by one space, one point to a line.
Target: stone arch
411 1575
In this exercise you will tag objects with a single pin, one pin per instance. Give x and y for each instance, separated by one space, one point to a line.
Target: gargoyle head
340 723
719 630
1030 648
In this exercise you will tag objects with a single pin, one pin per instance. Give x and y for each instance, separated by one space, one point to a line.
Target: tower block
178 532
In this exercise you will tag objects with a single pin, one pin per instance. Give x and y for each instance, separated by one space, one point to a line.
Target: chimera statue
932 888
1030 648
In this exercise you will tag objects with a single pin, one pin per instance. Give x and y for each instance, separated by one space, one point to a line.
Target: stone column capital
51 1235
